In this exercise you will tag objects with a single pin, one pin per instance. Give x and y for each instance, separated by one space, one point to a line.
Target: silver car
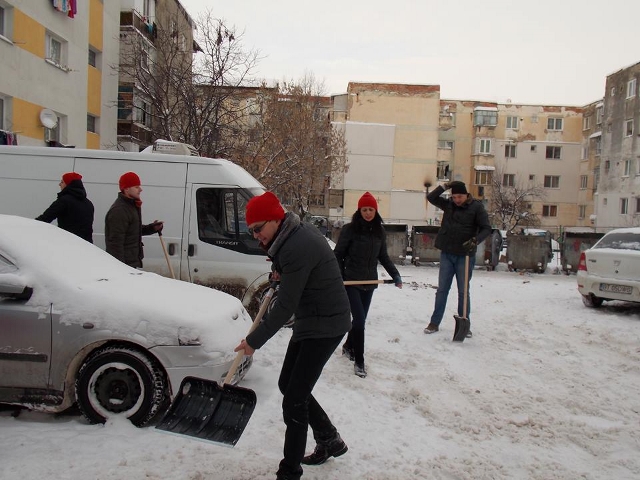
77 325
610 270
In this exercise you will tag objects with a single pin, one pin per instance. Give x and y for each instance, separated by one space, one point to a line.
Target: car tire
592 301
120 381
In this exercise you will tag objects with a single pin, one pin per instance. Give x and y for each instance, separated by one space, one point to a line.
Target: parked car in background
610 270
77 325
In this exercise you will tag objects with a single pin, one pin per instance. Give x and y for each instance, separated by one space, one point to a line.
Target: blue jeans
450 266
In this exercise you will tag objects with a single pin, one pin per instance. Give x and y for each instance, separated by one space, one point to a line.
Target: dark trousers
301 369
360 301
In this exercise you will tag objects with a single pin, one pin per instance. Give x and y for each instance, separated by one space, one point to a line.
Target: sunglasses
257 229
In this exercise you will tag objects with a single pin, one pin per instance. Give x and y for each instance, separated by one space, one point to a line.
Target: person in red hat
311 288
73 210
123 228
361 246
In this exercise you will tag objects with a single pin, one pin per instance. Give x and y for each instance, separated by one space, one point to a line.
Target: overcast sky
538 52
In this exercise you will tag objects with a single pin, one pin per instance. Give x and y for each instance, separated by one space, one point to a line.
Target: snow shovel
207 411
463 325
166 256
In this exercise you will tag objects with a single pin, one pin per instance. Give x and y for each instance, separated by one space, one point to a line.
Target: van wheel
120 381
592 301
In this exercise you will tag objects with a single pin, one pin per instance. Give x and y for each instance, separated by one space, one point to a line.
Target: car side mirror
14 287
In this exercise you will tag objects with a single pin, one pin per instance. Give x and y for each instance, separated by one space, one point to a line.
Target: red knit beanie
69 177
129 179
367 200
263 208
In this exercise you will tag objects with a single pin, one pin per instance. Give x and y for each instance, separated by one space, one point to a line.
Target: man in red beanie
123 228
311 288
73 209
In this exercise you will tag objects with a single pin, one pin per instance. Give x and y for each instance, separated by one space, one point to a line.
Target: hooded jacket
459 223
310 286
73 210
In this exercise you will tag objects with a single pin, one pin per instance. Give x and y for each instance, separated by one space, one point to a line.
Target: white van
201 201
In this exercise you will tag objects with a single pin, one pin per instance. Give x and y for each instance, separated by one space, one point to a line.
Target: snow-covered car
77 325
610 270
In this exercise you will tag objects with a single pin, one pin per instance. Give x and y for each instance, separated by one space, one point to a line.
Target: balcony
132 18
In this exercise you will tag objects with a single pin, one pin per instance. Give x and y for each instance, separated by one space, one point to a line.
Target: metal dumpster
423 244
529 252
397 236
573 244
489 249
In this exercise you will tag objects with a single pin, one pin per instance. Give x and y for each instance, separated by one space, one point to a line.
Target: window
93 58
1 113
485 146
554 124
508 180
55 50
534 118
2 17
583 182
624 206
586 123
510 151
613 91
553 152
637 205
534 148
483 177
628 127
599 114
584 154
582 211
443 170
485 118
142 112
144 56
598 145
532 178
631 88
607 166
512 122
52 134
551 181
91 123
549 210
626 168
445 144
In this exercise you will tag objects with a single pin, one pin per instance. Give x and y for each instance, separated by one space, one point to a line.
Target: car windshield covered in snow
620 241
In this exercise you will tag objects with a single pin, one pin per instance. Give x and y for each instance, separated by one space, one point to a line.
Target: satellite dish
48 118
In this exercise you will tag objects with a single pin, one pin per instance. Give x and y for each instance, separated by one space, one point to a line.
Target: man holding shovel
465 224
311 287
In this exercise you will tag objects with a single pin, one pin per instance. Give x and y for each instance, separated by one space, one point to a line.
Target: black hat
458 187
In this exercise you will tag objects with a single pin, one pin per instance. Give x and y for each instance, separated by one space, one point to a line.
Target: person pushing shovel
465 224
311 287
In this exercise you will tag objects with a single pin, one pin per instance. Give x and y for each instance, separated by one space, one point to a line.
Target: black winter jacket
359 250
459 224
310 286
123 230
73 210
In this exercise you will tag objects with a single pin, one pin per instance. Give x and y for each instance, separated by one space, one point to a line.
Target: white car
610 270
77 325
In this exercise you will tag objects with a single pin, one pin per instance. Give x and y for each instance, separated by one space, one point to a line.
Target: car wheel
120 381
592 301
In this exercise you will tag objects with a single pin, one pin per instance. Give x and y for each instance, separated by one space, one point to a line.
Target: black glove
470 244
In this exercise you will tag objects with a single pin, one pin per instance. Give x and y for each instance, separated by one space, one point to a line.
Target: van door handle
172 249
191 250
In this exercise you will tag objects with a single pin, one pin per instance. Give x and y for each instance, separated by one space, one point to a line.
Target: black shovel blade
205 410
463 325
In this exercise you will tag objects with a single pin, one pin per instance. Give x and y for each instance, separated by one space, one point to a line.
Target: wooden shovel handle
367 282
254 325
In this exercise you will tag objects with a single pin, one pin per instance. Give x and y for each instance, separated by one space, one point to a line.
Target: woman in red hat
361 245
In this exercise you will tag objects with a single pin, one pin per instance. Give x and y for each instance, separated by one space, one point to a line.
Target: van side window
211 215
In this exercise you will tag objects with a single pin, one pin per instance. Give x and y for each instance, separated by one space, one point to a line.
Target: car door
25 342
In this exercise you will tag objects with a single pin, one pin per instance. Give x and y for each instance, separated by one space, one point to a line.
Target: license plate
607 287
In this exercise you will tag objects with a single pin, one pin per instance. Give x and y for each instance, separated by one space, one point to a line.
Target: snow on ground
546 389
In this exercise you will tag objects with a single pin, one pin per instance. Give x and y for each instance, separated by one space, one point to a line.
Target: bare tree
184 97
510 205
291 146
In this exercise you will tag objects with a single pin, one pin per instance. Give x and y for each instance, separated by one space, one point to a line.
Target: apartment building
592 115
618 190
391 132
57 86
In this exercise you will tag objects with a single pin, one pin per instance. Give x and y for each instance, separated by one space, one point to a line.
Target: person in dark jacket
311 287
123 228
361 245
465 224
73 209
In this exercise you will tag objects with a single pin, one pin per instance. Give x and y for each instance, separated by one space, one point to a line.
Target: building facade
57 87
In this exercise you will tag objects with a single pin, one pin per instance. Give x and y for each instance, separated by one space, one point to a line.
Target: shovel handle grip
256 322
366 282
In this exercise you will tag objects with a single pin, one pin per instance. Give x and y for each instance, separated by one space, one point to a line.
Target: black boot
357 341
347 349
325 450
